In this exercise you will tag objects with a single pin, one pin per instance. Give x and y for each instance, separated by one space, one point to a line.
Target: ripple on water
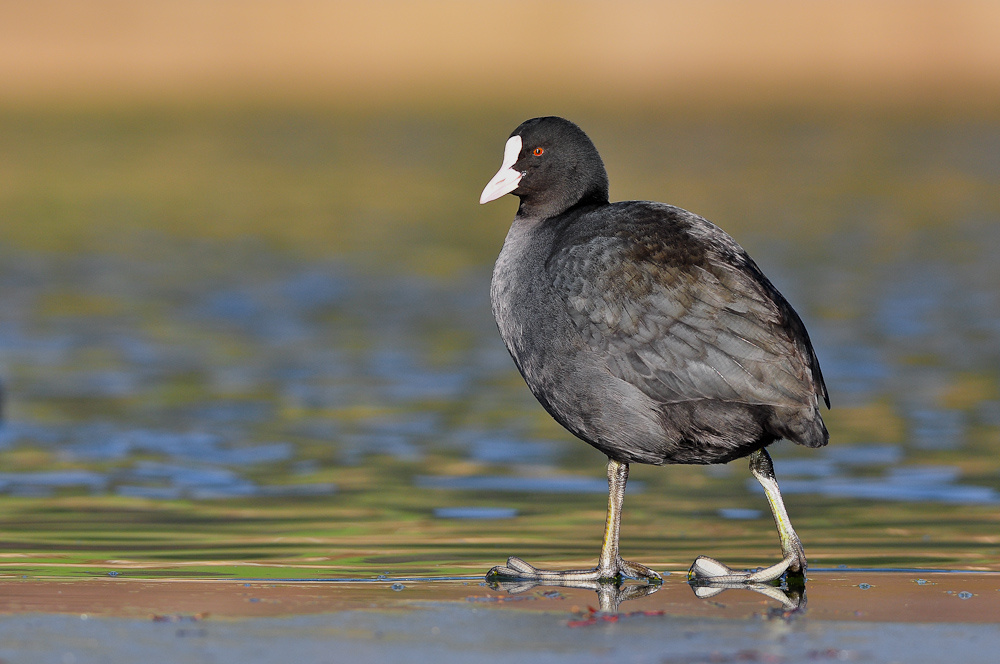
507 449
481 513
557 484
19 483
222 370
739 513
932 484
864 455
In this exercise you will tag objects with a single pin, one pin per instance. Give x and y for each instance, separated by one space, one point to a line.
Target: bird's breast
532 320
514 290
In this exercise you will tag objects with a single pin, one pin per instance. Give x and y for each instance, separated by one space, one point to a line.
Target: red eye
537 152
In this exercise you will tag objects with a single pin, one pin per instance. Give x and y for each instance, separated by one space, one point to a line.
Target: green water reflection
258 343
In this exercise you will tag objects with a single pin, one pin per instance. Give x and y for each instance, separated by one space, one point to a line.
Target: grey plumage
648 332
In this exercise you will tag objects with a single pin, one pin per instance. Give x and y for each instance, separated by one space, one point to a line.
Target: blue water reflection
829 475
520 484
403 367
207 370
478 513
42 483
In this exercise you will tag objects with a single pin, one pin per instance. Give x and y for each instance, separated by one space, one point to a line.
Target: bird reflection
793 600
610 595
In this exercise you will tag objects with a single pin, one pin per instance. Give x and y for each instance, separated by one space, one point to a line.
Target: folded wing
682 326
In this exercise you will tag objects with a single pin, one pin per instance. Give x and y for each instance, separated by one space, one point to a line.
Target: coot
647 332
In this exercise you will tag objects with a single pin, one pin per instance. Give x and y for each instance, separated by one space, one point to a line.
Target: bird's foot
520 570
709 571
632 570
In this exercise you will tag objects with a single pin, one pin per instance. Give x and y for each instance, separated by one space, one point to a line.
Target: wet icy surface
895 618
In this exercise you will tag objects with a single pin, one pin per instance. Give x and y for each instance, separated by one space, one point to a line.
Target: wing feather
682 329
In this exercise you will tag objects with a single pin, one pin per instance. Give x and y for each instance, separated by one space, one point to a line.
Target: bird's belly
576 388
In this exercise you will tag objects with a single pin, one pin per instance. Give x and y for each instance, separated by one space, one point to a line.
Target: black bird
647 332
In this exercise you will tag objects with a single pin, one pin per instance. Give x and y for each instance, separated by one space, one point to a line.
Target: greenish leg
610 567
793 555
791 546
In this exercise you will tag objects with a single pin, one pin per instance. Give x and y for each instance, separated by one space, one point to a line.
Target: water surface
258 344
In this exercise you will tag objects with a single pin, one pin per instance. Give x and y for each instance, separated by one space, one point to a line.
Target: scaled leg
610 567
793 555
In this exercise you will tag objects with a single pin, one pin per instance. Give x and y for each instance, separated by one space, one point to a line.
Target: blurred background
244 277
